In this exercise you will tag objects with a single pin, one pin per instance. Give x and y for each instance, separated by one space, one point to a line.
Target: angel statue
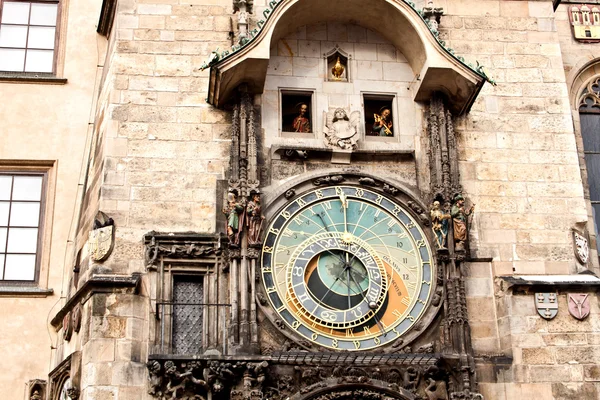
341 131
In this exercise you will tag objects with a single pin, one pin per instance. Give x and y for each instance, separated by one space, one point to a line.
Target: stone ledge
28 77
24 291
533 283
98 283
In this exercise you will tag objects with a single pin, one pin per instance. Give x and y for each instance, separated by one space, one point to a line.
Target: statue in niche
234 210
338 70
459 219
439 223
341 131
301 122
383 123
255 218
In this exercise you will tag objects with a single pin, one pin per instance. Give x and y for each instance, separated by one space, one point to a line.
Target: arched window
589 114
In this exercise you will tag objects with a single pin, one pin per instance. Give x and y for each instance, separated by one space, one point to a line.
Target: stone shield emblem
582 249
546 305
101 242
579 305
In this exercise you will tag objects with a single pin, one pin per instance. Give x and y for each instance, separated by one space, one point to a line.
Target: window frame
302 92
57 38
41 226
396 127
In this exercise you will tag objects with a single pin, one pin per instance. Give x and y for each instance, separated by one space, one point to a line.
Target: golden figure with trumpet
383 123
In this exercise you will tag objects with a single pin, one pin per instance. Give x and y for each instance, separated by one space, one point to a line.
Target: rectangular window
378 115
21 206
296 114
28 35
188 314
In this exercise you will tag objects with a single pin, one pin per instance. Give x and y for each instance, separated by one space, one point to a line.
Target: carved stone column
450 224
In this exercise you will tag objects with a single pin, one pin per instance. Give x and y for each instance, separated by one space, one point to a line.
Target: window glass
27 36
39 61
20 217
41 37
27 188
15 13
13 36
22 240
25 214
43 14
20 267
12 59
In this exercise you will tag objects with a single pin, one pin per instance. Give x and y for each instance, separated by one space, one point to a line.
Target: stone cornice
99 283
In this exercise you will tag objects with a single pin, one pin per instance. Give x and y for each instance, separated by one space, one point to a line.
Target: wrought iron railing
191 328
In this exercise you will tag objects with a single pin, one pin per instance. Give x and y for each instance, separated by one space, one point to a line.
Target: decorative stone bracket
186 245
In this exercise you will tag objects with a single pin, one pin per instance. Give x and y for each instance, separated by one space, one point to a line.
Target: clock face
347 268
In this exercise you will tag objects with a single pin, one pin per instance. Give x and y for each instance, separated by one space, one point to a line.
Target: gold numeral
411 318
367 330
272 289
268 249
377 341
420 301
280 309
286 214
319 194
301 202
391 223
266 270
288 232
397 210
274 231
405 301
426 282
360 192
420 243
314 336
356 344
327 205
334 343
379 199
296 324
349 332
397 313
410 225
338 190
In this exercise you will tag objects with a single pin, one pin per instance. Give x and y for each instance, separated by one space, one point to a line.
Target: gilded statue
340 130
338 70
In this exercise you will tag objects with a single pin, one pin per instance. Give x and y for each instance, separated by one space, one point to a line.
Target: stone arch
332 389
435 68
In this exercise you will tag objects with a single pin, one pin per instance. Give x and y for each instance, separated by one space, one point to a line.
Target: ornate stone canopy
435 68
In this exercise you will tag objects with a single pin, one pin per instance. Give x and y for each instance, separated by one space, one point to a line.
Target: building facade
297 199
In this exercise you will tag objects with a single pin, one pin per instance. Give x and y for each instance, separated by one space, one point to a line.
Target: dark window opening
296 112
379 115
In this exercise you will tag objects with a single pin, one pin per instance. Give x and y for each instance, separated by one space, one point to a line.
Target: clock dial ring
316 309
387 227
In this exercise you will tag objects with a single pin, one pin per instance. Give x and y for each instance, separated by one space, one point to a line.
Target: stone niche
374 69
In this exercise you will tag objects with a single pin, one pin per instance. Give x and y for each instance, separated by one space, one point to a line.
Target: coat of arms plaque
546 305
101 243
579 305
582 249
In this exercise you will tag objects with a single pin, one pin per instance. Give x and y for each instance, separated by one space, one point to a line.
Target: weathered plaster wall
50 123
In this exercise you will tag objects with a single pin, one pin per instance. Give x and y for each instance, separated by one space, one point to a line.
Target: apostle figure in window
234 211
255 219
459 220
383 123
301 122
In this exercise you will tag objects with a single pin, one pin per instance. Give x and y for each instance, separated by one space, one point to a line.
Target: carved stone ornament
579 305
67 327
585 22
101 243
546 305
341 129
582 248
36 389
76 318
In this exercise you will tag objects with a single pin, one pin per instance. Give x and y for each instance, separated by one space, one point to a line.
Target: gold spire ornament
338 70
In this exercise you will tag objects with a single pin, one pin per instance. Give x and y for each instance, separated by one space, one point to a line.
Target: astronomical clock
347 268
